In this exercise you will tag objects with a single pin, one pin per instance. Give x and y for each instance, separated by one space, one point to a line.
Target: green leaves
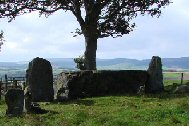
111 17
116 16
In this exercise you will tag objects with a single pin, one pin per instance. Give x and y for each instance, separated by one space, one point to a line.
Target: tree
1 39
97 18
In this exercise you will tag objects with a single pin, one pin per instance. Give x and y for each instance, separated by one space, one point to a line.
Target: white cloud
11 45
29 36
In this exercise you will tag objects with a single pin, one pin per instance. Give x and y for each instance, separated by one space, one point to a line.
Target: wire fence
176 75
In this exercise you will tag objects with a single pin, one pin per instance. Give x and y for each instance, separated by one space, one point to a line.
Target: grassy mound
140 110
164 109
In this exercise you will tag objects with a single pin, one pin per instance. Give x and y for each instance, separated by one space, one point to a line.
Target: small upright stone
39 78
14 99
155 80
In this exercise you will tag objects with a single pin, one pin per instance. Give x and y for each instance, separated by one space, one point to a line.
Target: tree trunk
90 51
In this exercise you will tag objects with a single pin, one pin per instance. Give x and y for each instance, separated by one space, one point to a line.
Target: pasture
175 77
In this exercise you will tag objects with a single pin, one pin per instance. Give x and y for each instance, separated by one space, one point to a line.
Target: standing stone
39 78
155 80
14 99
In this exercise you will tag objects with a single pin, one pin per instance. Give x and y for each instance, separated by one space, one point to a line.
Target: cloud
29 36
41 36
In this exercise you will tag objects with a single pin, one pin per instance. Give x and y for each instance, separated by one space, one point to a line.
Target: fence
176 76
11 82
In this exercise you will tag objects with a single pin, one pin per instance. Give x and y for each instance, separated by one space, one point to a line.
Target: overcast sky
29 36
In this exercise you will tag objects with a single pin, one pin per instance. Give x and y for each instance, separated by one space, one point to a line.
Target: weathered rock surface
182 89
155 81
71 85
14 99
39 78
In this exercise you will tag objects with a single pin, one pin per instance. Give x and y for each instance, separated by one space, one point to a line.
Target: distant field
175 75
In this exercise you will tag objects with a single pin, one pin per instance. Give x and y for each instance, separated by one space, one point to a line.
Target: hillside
59 64
124 63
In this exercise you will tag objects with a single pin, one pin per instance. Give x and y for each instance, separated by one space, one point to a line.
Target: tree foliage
111 17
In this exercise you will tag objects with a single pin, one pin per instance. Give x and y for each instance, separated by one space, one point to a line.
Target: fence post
182 74
6 82
24 85
15 82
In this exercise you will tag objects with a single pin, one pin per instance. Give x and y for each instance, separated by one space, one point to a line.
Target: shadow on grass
164 95
168 93
43 111
77 101
36 109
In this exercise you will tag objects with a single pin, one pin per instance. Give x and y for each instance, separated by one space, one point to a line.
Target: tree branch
77 12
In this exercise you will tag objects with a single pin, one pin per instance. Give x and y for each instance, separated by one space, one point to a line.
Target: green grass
170 82
164 109
175 75
172 75
176 78
149 110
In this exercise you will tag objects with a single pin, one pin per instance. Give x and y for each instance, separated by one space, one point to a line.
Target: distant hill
168 63
60 64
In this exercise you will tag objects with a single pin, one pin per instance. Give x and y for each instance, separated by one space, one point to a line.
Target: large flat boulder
71 85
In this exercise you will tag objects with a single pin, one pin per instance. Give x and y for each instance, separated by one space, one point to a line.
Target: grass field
156 110
175 77
164 109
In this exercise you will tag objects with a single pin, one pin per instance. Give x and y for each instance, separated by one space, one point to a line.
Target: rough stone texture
14 99
98 83
28 101
155 81
39 78
60 86
182 89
